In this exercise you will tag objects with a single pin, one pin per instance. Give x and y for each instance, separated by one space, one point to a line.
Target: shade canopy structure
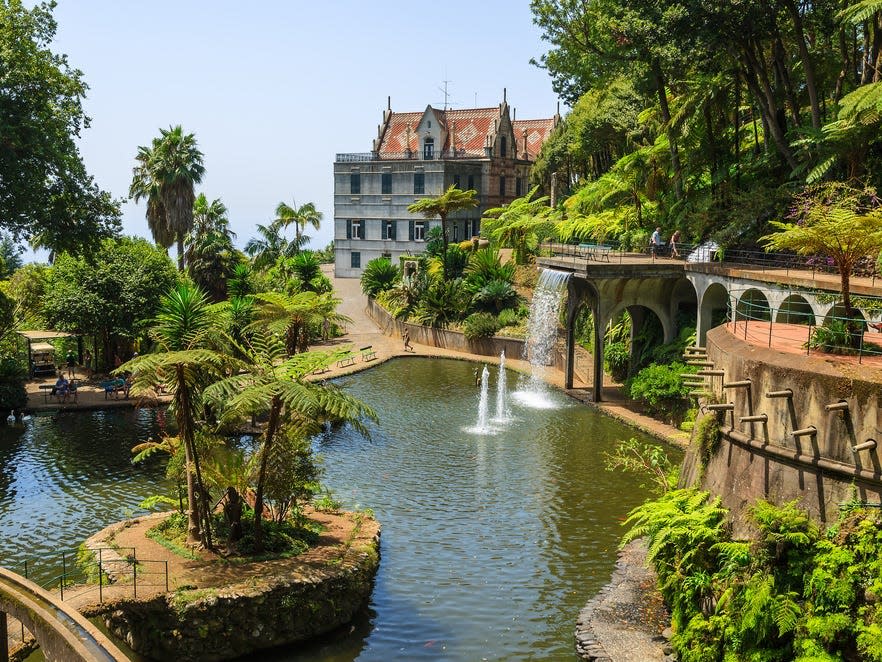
40 354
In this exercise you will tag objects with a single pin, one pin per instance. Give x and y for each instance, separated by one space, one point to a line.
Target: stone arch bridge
664 288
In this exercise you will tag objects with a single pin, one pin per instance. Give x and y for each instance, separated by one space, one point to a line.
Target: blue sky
273 90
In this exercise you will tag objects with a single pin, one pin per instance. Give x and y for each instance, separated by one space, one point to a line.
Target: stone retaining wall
757 460
284 604
456 341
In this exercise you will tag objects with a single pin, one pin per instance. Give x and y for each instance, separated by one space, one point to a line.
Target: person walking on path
655 242
407 346
71 360
675 239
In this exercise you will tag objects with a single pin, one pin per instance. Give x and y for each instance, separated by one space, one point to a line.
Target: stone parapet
286 602
819 465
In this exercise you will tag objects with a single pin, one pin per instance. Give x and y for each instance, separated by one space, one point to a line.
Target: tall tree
449 202
292 316
299 217
46 195
209 254
275 386
166 174
268 247
835 220
112 297
184 365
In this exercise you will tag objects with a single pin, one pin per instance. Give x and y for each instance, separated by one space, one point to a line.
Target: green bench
347 360
368 353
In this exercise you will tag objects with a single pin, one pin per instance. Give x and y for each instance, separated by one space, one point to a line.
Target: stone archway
712 310
753 304
795 309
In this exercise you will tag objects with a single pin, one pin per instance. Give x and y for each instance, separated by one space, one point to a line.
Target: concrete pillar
599 327
638 317
571 356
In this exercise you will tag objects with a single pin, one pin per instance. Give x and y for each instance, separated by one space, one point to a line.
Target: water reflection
64 478
491 544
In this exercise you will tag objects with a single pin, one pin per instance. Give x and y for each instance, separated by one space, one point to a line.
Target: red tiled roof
537 133
467 128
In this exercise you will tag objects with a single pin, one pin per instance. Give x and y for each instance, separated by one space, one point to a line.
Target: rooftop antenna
447 102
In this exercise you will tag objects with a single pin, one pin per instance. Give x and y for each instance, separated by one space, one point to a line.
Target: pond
491 542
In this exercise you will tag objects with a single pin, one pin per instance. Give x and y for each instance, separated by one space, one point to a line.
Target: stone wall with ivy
819 468
291 602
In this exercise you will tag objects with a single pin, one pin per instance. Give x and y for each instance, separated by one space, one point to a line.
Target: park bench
114 387
368 353
348 359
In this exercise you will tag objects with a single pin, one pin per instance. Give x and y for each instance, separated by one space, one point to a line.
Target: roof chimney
503 95
514 114
389 103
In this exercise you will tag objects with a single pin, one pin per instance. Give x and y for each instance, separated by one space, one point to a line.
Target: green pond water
491 542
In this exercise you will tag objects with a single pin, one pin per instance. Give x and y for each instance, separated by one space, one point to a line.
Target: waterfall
542 336
502 413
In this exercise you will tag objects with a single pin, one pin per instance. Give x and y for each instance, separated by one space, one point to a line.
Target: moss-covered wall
236 619
757 460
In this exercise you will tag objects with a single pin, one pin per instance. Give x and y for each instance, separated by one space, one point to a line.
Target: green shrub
618 360
480 325
495 296
378 276
835 337
661 390
508 317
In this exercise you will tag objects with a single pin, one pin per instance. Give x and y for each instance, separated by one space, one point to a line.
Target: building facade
421 154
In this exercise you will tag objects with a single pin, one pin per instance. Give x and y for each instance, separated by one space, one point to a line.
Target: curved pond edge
627 618
274 603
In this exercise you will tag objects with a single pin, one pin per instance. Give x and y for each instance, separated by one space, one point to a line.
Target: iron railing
116 567
760 324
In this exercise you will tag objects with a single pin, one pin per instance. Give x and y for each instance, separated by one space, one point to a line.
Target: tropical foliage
442 206
46 194
795 592
165 176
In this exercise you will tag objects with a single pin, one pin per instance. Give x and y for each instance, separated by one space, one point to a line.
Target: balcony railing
412 155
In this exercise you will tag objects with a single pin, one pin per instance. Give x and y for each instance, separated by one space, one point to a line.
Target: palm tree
210 254
452 200
292 315
269 247
145 186
183 366
273 385
166 174
299 217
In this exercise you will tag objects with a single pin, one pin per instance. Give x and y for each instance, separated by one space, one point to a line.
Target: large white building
421 154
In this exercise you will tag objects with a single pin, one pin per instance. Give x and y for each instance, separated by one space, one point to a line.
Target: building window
471 183
386 183
418 230
419 183
518 190
356 230
355 182
456 181
428 148
355 260
503 147
388 229
502 186
469 231
455 233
